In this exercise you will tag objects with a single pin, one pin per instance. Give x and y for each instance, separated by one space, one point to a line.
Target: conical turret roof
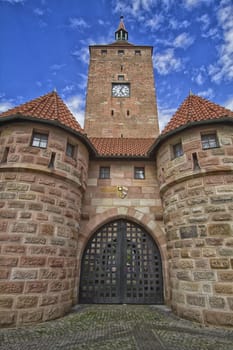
47 107
195 109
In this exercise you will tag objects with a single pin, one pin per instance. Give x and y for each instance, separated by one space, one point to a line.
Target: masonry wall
198 213
142 204
39 224
108 116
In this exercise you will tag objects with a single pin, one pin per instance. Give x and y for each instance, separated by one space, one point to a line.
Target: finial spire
121 33
190 92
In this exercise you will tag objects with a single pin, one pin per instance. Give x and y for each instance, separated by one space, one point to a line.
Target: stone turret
195 166
43 169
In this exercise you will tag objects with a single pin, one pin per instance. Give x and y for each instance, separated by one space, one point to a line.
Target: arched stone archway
121 264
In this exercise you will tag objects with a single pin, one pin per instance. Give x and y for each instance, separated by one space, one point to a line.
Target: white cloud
212 33
166 62
205 21
174 24
183 41
5 105
76 104
222 69
133 7
78 23
199 79
229 103
199 75
189 4
38 11
68 88
154 22
56 66
82 54
209 93
82 81
14 1
165 115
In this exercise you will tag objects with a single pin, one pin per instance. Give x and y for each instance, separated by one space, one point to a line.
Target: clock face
120 90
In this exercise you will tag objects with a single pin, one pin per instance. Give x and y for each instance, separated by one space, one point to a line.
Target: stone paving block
117 327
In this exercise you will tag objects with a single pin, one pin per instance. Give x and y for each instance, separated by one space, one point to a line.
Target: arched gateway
121 264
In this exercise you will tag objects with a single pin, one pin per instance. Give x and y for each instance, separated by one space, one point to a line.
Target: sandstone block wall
108 116
102 194
142 204
198 214
39 224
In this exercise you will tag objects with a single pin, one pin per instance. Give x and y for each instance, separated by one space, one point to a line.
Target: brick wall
39 224
108 116
198 212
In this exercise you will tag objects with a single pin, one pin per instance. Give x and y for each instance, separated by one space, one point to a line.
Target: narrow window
138 52
139 173
127 112
121 77
196 165
209 141
52 160
82 174
5 154
122 68
112 112
70 150
104 172
103 52
39 140
177 150
121 52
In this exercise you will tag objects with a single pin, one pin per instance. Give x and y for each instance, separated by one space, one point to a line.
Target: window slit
5 154
52 160
196 165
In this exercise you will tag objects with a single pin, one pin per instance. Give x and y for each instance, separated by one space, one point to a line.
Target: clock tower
121 98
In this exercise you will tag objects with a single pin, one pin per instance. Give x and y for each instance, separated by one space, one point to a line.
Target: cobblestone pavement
124 327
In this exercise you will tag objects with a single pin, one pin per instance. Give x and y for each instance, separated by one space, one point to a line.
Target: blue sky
44 45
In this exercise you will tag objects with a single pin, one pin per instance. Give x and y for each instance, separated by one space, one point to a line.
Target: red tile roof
122 146
194 109
48 107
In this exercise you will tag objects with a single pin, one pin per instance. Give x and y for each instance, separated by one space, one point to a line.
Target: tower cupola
121 34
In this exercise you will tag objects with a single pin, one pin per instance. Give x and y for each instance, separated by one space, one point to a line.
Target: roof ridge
120 146
55 95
